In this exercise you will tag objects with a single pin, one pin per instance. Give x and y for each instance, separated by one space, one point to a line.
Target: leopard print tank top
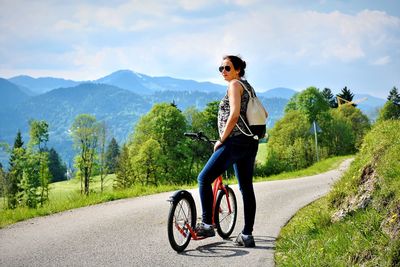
224 111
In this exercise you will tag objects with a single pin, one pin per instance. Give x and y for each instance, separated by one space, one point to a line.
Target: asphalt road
133 232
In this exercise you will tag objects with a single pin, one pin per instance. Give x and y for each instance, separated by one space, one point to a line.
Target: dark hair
237 63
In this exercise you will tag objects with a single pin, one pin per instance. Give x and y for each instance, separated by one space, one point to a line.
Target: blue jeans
239 151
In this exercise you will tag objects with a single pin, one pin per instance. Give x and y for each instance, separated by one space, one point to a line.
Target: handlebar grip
191 134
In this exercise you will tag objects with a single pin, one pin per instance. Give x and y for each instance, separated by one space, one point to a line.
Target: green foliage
310 102
56 167
390 111
35 179
147 163
123 173
292 144
359 122
337 135
330 98
112 154
165 124
3 182
201 121
289 145
85 133
15 174
346 95
394 96
366 236
39 133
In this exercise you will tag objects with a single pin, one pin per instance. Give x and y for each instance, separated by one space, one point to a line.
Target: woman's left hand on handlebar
217 145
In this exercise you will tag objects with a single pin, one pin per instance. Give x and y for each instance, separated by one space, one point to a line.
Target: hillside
358 223
42 84
10 94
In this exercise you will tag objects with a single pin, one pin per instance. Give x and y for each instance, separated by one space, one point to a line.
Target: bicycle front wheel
182 215
225 212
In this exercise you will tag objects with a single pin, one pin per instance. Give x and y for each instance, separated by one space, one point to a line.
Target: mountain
147 85
279 92
10 94
370 106
128 80
118 108
43 84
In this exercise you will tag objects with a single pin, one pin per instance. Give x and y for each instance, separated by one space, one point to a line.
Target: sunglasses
227 68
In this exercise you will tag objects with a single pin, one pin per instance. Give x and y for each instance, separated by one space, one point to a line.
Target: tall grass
368 235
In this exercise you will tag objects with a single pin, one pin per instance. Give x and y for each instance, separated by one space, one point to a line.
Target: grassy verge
358 222
66 195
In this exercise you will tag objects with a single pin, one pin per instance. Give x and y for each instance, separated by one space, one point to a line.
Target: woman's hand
217 145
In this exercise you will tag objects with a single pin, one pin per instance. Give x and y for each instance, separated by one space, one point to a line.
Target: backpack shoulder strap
249 91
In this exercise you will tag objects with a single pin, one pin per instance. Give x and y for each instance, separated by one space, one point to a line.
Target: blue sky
286 43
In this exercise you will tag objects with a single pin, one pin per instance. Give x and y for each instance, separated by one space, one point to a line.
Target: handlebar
200 137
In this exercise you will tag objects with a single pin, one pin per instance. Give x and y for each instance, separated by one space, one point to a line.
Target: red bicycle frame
217 185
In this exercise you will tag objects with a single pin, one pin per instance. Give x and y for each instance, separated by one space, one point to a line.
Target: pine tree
330 98
394 96
15 175
57 168
346 95
112 155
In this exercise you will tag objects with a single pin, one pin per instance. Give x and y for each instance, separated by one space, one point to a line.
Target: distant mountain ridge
41 85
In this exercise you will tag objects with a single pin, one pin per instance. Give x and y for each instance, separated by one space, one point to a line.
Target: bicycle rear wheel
225 219
182 214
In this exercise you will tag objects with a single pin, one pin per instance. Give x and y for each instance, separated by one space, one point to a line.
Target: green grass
66 195
366 236
262 153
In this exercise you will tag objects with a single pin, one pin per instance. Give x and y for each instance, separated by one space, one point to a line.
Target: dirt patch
391 225
362 198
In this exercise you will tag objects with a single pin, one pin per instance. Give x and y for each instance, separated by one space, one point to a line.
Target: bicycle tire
181 212
225 221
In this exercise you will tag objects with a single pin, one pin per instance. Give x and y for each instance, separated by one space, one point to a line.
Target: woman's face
228 71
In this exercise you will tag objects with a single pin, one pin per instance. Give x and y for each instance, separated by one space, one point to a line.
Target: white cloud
187 38
381 61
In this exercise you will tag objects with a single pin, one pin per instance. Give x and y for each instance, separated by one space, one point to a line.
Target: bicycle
182 213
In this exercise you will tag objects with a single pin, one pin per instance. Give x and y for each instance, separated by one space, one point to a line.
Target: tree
330 98
15 174
102 156
147 163
85 133
57 168
199 152
112 154
210 115
394 96
123 170
346 95
166 124
337 137
290 145
3 184
390 111
358 121
310 102
39 136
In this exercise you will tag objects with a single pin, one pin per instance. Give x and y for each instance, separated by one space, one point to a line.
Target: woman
233 147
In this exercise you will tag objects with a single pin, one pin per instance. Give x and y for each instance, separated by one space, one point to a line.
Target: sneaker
242 241
203 231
